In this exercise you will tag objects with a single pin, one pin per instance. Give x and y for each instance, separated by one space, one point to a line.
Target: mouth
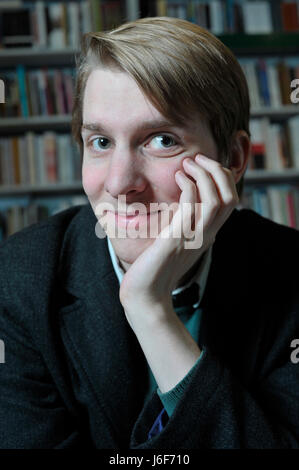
122 218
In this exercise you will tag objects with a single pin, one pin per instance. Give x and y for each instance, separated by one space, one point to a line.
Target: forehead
111 96
112 91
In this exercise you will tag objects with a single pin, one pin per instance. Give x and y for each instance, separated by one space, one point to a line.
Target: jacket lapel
105 351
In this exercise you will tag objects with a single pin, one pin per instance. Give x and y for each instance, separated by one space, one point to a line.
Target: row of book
37 159
235 16
278 203
40 24
272 82
57 25
49 91
49 157
18 213
37 92
61 24
274 146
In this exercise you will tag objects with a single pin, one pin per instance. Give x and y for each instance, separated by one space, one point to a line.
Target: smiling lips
121 218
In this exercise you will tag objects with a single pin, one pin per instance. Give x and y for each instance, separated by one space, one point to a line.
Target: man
141 342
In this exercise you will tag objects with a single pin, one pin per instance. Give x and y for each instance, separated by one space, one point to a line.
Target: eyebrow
97 127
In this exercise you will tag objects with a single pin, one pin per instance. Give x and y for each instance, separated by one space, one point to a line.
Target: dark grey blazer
75 376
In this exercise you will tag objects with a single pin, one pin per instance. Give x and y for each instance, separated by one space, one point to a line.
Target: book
216 16
262 75
291 208
73 15
258 147
96 15
56 33
293 132
284 82
29 144
85 14
49 141
23 90
257 17
132 10
273 83
289 14
41 24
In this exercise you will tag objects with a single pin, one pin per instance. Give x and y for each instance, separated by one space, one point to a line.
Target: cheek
166 184
92 180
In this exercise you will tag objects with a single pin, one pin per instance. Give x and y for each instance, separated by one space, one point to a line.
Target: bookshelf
279 45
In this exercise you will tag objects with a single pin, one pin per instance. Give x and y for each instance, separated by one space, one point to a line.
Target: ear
240 151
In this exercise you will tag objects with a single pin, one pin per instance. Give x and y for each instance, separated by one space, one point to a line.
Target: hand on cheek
215 189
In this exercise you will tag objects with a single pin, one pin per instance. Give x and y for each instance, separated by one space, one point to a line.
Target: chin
128 250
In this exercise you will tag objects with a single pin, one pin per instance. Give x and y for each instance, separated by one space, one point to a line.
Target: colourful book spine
23 91
291 209
263 82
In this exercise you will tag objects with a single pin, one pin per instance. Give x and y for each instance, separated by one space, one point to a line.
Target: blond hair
180 67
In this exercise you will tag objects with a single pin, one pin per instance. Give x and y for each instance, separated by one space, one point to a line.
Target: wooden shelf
283 112
19 124
261 176
252 176
63 122
262 44
54 188
41 57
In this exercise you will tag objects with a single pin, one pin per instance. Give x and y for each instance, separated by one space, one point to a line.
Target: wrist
151 312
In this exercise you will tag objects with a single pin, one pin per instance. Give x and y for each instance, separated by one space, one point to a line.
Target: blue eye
103 141
164 139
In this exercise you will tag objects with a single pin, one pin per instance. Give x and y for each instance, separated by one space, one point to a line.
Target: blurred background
40 168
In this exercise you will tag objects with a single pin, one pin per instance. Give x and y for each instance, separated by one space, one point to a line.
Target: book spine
50 156
86 23
31 165
132 10
23 91
291 209
41 23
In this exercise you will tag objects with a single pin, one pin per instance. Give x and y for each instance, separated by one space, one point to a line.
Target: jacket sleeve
218 411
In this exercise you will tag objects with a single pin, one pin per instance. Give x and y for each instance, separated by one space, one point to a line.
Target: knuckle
232 200
213 205
216 164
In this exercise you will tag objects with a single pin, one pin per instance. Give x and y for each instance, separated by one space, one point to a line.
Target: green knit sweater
191 320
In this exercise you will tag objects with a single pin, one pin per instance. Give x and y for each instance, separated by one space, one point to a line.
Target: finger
184 220
208 194
224 180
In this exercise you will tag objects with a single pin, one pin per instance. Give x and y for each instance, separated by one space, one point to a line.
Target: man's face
131 153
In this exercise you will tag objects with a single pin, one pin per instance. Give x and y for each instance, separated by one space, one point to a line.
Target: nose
125 175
